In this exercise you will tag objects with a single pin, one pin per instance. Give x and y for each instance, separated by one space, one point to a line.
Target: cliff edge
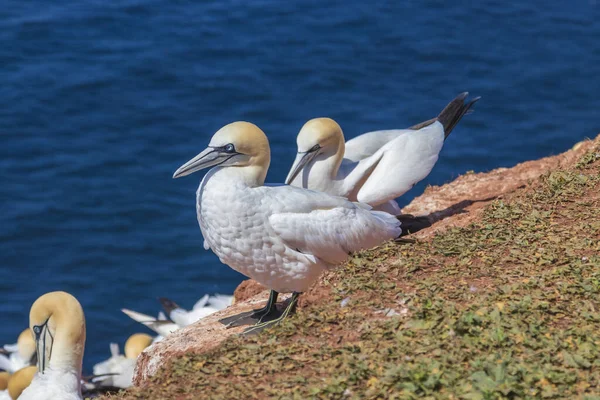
494 293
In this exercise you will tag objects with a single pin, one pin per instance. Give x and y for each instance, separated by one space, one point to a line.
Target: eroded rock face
199 337
441 207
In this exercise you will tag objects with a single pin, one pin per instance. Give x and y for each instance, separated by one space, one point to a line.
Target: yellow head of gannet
136 344
319 136
4 376
26 345
58 325
239 144
20 380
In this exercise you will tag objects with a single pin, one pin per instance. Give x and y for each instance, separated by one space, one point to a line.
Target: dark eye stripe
228 148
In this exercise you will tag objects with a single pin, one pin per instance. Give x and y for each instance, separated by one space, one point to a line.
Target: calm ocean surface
100 102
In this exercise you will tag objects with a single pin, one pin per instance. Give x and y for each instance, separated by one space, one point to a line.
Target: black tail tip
167 304
455 110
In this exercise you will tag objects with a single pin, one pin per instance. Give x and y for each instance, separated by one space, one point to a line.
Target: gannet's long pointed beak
44 342
302 159
207 158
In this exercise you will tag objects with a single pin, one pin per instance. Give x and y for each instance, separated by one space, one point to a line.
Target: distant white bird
179 317
281 236
161 325
58 324
13 357
117 371
205 306
376 167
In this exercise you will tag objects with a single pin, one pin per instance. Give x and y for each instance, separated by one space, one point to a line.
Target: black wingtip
167 304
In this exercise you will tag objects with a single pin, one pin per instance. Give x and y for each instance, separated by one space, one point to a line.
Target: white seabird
117 371
161 325
205 306
375 167
13 357
179 317
283 237
58 325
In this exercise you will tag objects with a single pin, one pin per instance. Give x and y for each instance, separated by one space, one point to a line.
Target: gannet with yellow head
4 377
281 236
19 381
4 380
20 354
58 325
376 167
117 371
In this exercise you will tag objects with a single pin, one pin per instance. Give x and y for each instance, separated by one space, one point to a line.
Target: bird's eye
230 148
37 329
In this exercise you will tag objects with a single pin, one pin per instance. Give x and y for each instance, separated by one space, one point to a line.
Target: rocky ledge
456 204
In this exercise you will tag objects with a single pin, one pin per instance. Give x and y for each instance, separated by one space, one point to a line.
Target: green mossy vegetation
506 308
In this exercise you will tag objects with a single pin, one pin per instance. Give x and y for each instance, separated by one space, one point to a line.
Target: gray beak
43 345
209 157
301 162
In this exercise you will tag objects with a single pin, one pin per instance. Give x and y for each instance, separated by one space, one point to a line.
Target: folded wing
329 227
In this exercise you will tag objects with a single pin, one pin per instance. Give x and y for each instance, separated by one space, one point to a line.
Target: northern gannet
375 167
20 380
281 236
18 355
161 325
205 306
179 317
4 377
117 371
58 325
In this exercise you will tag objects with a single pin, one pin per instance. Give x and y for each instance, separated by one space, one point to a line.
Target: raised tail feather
454 111
168 305
451 114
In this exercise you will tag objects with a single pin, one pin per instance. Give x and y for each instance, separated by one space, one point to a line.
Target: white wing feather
328 227
369 143
402 163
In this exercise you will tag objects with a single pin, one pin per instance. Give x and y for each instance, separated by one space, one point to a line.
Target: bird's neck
67 359
324 170
67 350
248 176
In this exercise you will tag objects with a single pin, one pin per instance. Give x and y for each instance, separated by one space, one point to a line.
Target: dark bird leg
260 326
250 317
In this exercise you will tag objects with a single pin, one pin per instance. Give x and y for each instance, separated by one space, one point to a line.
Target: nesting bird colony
339 198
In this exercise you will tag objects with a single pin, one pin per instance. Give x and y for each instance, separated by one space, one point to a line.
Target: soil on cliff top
507 306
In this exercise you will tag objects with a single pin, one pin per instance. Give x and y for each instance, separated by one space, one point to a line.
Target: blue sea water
100 102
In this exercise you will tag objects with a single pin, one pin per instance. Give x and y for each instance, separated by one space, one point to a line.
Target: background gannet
161 325
179 317
4 380
117 371
281 236
20 354
20 380
376 167
58 324
4 376
205 306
